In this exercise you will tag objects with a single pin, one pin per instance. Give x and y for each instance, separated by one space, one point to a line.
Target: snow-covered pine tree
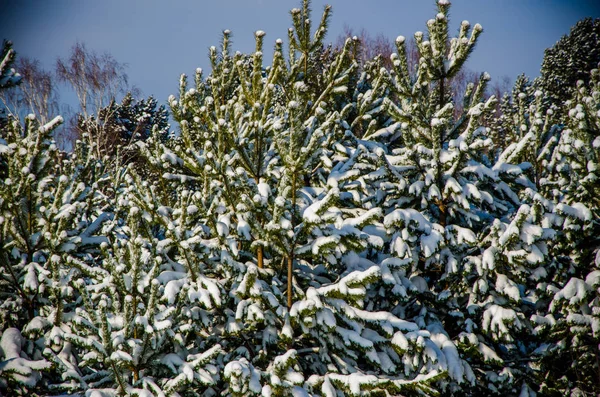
243 121
281 123
131 334
571 327
531 128
505 127
507 282
569 60
575 161
48 233
49 224
446 205
27 192
8 76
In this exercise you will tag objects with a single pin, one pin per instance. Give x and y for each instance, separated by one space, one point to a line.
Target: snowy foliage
312 228
569 60
8 76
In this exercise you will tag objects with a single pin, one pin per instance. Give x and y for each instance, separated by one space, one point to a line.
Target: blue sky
159 40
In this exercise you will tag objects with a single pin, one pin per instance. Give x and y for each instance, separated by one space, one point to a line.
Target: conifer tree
571 59
445 203
531 124
120 126
248 136
8 76
49 226
281 133
571 325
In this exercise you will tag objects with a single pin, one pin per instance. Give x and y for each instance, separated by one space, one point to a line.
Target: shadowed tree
571 59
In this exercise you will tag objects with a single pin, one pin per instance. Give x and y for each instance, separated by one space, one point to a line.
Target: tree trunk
443 212
259 256
290 266
290 271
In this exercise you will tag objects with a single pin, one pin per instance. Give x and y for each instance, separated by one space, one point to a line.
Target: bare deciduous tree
36 94
97 81
369 46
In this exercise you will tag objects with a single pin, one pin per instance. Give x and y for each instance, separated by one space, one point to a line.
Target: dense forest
330 222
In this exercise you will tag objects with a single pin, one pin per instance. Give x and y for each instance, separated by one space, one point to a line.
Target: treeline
108 108
334 222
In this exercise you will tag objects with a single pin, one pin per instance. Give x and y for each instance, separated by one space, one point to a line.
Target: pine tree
50 225
455 261
130 336
571 328
8 76
248 136
48 231
282 136
532 126
571 59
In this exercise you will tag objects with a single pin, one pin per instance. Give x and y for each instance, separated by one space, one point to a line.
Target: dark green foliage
571 59
8 76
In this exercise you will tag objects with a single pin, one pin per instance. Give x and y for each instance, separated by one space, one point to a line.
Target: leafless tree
97 79
36 94
369 46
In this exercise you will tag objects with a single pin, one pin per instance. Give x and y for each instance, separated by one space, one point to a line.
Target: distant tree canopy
571 59
99 82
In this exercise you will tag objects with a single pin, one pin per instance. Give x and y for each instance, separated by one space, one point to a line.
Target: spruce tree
571 59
